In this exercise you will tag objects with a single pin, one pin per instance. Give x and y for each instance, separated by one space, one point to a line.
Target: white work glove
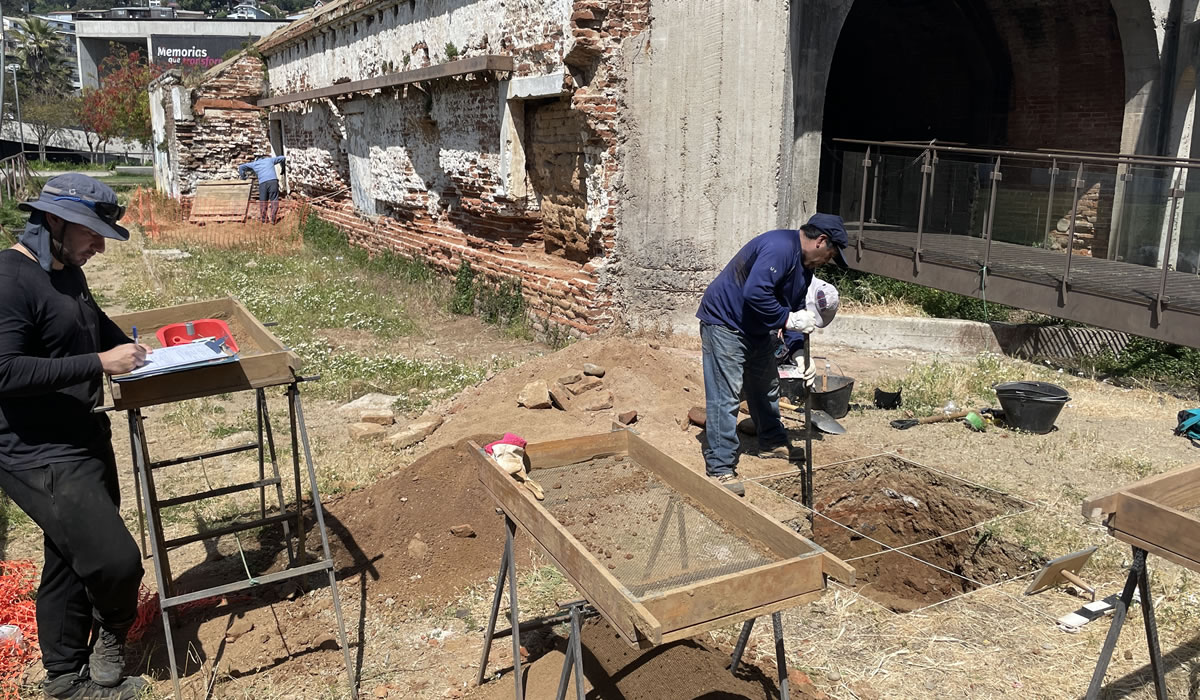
802 321
808 372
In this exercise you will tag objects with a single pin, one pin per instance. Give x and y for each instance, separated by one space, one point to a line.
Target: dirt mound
686 669
398 530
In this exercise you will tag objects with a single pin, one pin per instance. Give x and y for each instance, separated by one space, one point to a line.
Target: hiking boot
792 454
107 661
78 686
731 482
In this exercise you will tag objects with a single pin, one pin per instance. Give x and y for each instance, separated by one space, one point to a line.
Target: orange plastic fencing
165 221
18 581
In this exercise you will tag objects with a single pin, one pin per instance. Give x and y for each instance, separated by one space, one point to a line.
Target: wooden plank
462 66
601 588
717 623
220 199
837 569
261 335
151 320
733 594
253 372
557 453
1155 550
1179 487
743 517
1157 524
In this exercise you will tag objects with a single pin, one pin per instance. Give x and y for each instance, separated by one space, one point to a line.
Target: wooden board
220 200
1051 575
263 358
1147 515
687 610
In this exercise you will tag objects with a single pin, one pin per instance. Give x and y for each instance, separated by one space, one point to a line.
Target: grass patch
497 302
1148 360
927 387
330 285
1136 467
874 290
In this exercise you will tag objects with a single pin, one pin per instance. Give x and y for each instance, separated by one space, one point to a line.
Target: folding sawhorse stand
1139 579
269 365
575 611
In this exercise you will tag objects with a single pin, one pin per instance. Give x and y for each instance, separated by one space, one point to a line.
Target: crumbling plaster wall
210 128
430 170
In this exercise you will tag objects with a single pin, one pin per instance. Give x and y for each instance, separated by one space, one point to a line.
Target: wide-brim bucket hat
81 200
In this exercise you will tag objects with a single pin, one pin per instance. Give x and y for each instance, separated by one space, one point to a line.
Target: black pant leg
88 548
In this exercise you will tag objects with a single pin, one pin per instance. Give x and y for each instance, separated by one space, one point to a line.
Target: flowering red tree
121 105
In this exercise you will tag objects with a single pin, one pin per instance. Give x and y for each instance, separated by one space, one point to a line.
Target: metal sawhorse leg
780 659
576 610
1139 579
159 546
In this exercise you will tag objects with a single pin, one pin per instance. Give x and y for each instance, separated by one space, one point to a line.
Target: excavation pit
915 536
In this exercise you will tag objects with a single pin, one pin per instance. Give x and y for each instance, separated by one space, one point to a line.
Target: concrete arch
1140 24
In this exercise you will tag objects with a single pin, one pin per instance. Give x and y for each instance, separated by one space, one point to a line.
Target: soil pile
686 669
398 531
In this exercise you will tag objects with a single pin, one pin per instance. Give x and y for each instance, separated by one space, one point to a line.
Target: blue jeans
733 362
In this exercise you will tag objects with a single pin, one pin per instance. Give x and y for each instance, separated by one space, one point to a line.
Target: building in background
614 154
175 38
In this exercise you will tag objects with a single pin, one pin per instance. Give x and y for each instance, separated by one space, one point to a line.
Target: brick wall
225 128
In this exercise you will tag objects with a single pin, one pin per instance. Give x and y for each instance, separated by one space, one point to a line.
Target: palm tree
43 58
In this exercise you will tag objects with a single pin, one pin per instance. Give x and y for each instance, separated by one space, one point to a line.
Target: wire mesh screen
274 228
650 537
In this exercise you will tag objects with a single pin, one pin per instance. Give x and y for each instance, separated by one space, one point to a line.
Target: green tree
49 116
44 67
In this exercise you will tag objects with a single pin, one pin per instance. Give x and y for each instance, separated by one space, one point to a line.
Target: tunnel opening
1008 74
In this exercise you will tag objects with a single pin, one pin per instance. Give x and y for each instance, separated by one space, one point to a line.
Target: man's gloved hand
802 321
808 371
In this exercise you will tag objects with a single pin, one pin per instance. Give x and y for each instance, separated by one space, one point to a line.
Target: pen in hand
135 340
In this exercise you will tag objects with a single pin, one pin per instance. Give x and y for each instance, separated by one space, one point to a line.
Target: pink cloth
508 439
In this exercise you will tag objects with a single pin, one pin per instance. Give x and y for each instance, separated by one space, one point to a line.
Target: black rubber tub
1031 406
831 393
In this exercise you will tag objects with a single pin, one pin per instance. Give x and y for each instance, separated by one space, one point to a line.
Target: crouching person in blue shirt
268 185
759 293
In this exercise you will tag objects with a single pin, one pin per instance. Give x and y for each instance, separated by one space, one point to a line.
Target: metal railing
14 177
1124 207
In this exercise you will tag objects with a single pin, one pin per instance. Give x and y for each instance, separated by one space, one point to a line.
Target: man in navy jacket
759 293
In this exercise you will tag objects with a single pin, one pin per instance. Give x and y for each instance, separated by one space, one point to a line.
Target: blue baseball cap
832 226
81 200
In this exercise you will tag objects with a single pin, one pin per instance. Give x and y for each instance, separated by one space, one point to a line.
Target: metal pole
17 99
1076 184
1050 200
1160 683
1120 610
780 659
875 190
862 202
740 647
510 529
991 217
491 627
925 169
1161 298
808 392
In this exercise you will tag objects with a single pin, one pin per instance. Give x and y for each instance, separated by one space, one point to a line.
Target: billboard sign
190 51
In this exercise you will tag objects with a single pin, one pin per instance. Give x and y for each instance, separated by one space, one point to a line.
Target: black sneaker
78 686
107 662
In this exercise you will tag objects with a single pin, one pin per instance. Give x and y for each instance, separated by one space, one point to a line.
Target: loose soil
871 506
650 536
397 531
688 669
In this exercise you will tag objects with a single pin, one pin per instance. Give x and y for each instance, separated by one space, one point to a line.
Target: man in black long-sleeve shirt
56 456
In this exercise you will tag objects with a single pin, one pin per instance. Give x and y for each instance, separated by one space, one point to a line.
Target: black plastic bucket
1031 406
887 399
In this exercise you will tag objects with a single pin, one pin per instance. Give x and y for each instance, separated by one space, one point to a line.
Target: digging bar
808 494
